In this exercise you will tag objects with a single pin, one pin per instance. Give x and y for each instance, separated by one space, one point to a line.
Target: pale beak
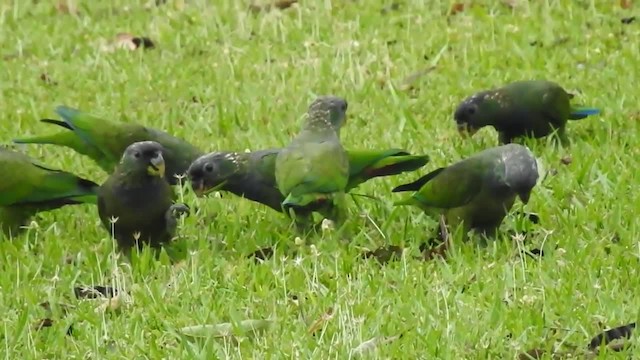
156 166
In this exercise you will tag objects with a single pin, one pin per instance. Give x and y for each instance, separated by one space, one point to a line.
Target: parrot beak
466 131
524 197
201 191
156 166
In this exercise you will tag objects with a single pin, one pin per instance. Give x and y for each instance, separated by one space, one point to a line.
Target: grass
252 77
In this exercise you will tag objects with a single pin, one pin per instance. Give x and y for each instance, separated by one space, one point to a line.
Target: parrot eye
471 110
208 167
136 154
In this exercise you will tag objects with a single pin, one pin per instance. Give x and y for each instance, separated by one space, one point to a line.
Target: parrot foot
172 215
178 210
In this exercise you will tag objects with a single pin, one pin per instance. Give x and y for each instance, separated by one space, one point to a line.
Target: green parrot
28 187
478 191
523 108
312 172
139 199
105 141
252 174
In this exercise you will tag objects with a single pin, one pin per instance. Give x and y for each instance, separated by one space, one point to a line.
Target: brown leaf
457 8
42 323
440 250
566 160
67 7
626 4
47 79
94 292
278 4
130 42
384 254
262 255
409 83
320 322
605 337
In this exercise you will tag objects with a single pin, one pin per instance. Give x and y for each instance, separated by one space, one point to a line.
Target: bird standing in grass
105 141
136 203
252 174
312 172
27 187
523 108
479 191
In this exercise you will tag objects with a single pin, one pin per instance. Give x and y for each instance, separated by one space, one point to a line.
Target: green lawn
225 78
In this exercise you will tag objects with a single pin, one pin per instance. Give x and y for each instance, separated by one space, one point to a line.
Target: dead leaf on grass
321 322
384 254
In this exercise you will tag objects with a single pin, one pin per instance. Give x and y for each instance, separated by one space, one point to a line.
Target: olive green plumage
479 191
252 174
28 187
523 108
139 198
105 141
312 172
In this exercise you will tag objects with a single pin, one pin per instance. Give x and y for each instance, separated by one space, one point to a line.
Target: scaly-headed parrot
105 141
252 174
28 187
136 203
523 108
312 172
479 191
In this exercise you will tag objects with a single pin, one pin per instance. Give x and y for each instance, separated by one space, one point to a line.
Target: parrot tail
582 112
55 139
396 165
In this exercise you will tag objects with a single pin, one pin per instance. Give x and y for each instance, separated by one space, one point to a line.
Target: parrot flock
312 174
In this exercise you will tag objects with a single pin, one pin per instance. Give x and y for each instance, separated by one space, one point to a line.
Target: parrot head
144 157
328 110
471 114
211 172
521 170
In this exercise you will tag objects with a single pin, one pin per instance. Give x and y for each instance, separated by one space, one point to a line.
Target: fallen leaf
384 254
628 20
533 253
320 322
262 255
43 323
456 8
94 292
110 305
47 79
130 42
394 6
249 327
605 337
440 250
409 82
626 4
532 354
48 308
67 7
373 344
279 5
566 160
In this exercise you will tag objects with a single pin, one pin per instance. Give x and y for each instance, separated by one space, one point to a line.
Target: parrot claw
178 210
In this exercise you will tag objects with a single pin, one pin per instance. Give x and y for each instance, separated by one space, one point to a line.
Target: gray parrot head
211 172
144 157
473 113
328 110
521 170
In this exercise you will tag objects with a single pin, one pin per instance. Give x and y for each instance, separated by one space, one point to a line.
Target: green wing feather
312 167
449 187
105 141
28 183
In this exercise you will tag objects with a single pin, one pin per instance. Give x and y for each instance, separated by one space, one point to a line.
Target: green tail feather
396 165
